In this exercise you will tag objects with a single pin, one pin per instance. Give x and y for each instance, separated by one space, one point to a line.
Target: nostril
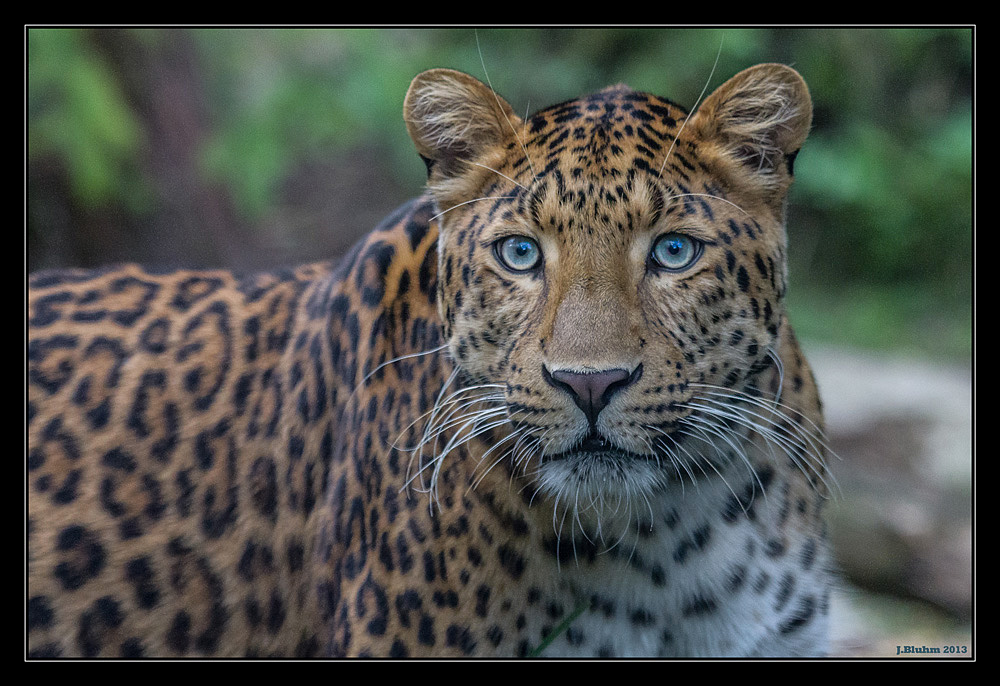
592 391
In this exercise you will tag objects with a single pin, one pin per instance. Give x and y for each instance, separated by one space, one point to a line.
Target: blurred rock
902 429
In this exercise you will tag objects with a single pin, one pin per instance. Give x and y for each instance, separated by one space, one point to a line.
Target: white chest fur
716 569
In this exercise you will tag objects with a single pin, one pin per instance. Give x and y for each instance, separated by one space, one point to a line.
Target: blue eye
675 251
518 253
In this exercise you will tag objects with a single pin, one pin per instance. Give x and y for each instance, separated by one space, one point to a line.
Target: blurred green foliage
880 217
77 112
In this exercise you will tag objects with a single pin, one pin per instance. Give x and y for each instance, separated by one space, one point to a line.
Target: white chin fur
601 484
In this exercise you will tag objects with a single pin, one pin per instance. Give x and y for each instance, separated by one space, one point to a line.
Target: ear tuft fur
453 117
760 117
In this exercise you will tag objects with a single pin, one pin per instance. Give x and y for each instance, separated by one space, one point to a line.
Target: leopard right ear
454 118
759 119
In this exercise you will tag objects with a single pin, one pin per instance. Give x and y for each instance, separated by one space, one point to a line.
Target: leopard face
608 264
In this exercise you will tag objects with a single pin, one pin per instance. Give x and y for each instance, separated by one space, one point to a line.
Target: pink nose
592 391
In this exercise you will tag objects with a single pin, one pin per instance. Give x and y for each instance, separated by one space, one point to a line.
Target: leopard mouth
600 478
596 447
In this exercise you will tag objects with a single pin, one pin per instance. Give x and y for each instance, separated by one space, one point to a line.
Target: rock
902 430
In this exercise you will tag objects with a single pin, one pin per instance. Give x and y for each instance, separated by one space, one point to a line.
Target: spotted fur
425 451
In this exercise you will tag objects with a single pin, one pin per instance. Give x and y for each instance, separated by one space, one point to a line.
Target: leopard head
603 262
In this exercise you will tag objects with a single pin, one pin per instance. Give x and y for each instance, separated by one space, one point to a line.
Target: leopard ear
453 117
760 118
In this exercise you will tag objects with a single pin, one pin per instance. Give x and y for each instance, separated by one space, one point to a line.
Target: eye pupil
518 253
675 251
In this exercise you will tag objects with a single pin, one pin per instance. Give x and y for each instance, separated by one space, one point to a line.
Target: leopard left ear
454 118
760 118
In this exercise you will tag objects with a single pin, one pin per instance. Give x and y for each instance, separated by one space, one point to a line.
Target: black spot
149 289
38 350
45 651
307 647
113 507
785 588
406 602
253 612
666 638
512 561
137 420
132 648
67 490
447 598
803 614
762 581
119 459
429 571
263 487
425 631
245 567
296 556
103 615
416 229
398 649
36 459
403 556
378 623
603 605
372 286
178 636
642 617
743 279
47 310
154 337
193 289
185 492
808 555
98 416
534 594
40 613
139 572
695 542
698 605
207 641
85 557
460 636
482 600
737 577
276 613
761 267
774 548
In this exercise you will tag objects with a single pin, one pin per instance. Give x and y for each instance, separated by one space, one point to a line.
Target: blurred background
259 148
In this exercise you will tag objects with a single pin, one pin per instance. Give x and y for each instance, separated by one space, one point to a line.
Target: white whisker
707 195
393 361
500 174
456 206
509 123
772 421
693 109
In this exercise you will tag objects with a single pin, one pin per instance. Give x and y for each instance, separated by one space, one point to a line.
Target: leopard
552 407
